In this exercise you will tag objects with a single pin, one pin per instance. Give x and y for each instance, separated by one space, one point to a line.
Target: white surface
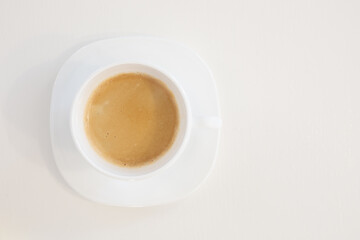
288 77
196 155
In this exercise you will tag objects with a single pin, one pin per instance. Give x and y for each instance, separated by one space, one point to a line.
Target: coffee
131 119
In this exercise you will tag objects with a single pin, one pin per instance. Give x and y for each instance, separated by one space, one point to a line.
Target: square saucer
193 165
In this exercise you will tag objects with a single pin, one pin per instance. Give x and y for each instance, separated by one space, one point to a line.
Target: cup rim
175 156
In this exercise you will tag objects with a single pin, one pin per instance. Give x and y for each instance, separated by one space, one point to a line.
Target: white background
288 75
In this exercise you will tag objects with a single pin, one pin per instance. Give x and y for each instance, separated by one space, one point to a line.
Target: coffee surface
131 119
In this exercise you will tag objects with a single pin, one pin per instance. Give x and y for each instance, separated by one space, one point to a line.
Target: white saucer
175 182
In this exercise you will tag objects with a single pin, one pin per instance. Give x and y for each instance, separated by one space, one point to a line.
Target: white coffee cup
185 122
